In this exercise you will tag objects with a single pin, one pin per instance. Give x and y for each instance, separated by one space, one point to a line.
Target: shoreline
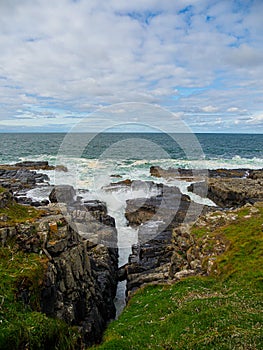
154 259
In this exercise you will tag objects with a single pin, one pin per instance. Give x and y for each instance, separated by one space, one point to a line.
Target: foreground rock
80 274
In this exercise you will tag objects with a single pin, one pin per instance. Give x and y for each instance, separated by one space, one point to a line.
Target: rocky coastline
78 240
172 252
80 269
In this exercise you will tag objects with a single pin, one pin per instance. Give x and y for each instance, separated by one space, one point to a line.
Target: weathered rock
19 178
157 217
255 174
195 173
96 208
231 188
170 205
33 164
80 276
234 192
62 193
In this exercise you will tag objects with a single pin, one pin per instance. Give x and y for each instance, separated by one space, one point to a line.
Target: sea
96 161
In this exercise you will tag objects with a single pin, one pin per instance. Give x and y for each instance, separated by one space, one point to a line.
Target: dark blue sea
184 150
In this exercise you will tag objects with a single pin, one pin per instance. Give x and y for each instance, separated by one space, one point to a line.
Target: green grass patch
16 213
223 311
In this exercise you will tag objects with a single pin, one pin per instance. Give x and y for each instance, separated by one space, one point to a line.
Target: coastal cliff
75 279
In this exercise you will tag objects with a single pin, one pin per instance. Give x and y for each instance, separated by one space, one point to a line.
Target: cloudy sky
62 60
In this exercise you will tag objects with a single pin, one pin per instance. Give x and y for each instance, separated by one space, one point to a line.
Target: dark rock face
96 208
80 287
170 207
33 164
256 174
157 217
160 207
62 194
20 178
188 173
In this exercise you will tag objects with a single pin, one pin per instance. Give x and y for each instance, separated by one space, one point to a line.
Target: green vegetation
20 326
223 311
14 213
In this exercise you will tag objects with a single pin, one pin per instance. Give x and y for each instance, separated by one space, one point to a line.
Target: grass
15 213
223 311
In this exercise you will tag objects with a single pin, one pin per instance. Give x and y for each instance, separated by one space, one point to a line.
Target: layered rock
80 275
157 217
232 191
62 193
225 187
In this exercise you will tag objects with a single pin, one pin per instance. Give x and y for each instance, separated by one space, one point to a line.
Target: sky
61 61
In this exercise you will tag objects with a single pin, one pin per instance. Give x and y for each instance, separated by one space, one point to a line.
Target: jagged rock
170 205
194 173
231 188
96 207
20 178
62 193
80 277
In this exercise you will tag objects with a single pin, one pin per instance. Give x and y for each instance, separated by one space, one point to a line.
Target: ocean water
219 150
96 161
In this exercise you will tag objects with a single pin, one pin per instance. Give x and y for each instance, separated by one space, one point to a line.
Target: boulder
62 194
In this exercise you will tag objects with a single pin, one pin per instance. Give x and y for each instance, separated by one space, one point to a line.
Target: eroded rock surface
80 275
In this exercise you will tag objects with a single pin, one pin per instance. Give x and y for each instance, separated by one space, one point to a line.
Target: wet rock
19 178
33 164
170 205
97 208
62 193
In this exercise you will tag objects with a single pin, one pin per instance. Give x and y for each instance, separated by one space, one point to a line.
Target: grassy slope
224 311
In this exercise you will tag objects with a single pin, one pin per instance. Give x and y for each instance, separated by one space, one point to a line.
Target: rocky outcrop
5 198
235 192
37 165
17 179
62 194
194 173
232 191
157 216
80 275
225 187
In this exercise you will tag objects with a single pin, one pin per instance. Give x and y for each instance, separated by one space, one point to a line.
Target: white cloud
80 55
256 120
209 109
